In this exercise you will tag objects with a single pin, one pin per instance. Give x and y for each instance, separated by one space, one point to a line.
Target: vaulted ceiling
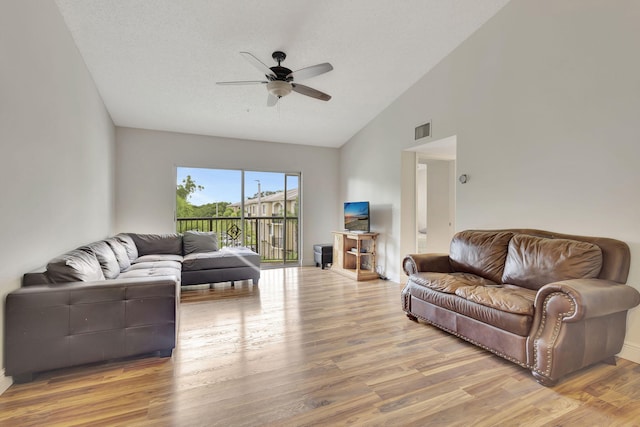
156 62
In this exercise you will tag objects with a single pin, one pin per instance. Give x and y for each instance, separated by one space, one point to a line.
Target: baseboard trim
5 382
630 352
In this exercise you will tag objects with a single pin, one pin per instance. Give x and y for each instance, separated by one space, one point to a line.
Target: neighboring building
271 205
273 233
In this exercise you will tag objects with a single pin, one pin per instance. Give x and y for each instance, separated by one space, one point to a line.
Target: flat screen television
356 217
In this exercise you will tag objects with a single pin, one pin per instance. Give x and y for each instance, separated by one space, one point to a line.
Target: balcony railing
275 238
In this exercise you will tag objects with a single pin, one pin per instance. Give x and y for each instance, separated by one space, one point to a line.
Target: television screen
356 216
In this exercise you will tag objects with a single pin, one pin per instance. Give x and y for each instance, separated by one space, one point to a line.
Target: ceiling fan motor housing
282 73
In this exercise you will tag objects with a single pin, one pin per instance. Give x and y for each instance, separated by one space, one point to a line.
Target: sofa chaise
111 299
552 303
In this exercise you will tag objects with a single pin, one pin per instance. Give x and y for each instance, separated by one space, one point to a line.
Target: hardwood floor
310 347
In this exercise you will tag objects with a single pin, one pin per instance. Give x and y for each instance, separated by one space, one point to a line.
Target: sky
224 185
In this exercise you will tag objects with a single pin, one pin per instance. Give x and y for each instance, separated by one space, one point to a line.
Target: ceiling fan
281 81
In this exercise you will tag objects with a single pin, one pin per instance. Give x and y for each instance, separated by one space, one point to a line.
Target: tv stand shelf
354 255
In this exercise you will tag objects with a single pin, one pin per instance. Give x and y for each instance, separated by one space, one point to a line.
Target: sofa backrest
120 252
482 253
74 266
106 258
616 256
533 262
129 245
157 244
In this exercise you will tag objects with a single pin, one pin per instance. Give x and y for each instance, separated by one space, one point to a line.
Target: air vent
423 131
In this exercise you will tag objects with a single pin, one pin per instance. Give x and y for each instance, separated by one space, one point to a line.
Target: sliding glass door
259 210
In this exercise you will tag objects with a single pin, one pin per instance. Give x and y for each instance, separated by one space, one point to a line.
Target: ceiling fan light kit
281 80
279 88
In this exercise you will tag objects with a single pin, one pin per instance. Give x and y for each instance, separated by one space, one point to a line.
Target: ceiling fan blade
272 100
312 71
258 64
306 90
249 82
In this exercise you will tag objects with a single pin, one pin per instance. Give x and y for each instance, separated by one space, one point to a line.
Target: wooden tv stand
354 255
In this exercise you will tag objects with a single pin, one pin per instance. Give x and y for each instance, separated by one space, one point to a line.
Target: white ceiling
155 62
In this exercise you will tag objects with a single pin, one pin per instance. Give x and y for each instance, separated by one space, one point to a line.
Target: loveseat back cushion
532 262
129 245
105 256
120 252
148 244
199 241
74 266
480 252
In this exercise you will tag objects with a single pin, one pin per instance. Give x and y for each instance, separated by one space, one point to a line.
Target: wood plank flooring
310 347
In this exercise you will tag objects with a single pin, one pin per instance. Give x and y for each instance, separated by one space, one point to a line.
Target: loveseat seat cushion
227 257
120 252
533 262
74 266
150 244
508 298
519 324
450 282
482 253
105 256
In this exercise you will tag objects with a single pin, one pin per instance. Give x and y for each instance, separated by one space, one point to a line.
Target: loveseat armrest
577 323
590 297
415 263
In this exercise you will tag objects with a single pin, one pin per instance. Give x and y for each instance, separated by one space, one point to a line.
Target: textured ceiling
155 62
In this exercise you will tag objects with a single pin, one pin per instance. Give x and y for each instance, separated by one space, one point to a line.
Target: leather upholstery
120 252
227 257
519 324
507 298
74 266
199 241
563 306
532 261
129 246
480 253
426 262
54 326
157 243
106 258
109 299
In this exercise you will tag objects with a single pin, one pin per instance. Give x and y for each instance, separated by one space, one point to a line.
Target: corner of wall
5 382
630 352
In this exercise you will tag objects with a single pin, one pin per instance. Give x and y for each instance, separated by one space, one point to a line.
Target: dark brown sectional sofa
552 303
111 299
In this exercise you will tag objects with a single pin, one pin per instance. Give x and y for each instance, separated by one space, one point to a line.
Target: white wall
56 166
146 182
544 102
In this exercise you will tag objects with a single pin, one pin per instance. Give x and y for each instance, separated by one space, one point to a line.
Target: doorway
435 195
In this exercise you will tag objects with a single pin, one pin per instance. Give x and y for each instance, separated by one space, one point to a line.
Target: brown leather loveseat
551 303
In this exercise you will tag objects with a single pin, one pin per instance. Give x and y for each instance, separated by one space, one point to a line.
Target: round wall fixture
464 178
